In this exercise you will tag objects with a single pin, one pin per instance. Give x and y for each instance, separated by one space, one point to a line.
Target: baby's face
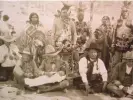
61 73
58 43
67 44
38 43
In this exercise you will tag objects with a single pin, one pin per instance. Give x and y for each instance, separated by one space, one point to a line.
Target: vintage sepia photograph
66 50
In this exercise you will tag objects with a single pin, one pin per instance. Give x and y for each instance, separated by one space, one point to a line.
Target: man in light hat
92 70
54 73
9 55
121 83
26 67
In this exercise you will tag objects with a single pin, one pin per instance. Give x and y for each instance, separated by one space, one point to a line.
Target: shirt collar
127 67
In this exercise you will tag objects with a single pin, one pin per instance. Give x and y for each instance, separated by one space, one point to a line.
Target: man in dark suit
121 83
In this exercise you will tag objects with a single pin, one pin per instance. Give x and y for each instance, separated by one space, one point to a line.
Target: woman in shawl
32 28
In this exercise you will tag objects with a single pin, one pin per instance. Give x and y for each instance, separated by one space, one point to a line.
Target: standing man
83 31
64 27
81 26
64 30
123 35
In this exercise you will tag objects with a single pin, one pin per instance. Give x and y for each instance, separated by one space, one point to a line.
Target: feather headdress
126 5
81 8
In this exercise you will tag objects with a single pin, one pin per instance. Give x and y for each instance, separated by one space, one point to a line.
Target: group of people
70 54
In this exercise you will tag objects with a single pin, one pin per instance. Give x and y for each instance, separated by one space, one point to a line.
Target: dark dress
103 38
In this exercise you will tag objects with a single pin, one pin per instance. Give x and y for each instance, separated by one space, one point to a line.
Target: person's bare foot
65 90
38 91
19 92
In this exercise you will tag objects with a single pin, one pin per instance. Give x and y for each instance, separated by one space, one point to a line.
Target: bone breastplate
124 31
123 35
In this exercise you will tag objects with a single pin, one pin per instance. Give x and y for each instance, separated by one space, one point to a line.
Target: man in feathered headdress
81 26
123 34
82 29
63 27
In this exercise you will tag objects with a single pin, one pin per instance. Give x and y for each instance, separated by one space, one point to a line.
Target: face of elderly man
92 53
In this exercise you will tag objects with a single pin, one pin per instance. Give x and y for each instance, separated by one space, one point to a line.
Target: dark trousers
6 73
96 85
117 57
115 90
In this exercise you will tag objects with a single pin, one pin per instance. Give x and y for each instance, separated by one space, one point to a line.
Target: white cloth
4 51
128 69
130 90
44 80
4 29
83 69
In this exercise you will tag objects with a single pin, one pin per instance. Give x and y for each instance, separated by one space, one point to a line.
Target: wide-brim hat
66 5
81 8
8 38
26 51
125 7
50 51
93 46
128 55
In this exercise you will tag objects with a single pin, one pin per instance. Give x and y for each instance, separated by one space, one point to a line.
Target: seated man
26 68
55 73
92 70
121 83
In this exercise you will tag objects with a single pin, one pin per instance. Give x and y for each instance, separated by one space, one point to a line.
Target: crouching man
26 68
92 70
121 83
